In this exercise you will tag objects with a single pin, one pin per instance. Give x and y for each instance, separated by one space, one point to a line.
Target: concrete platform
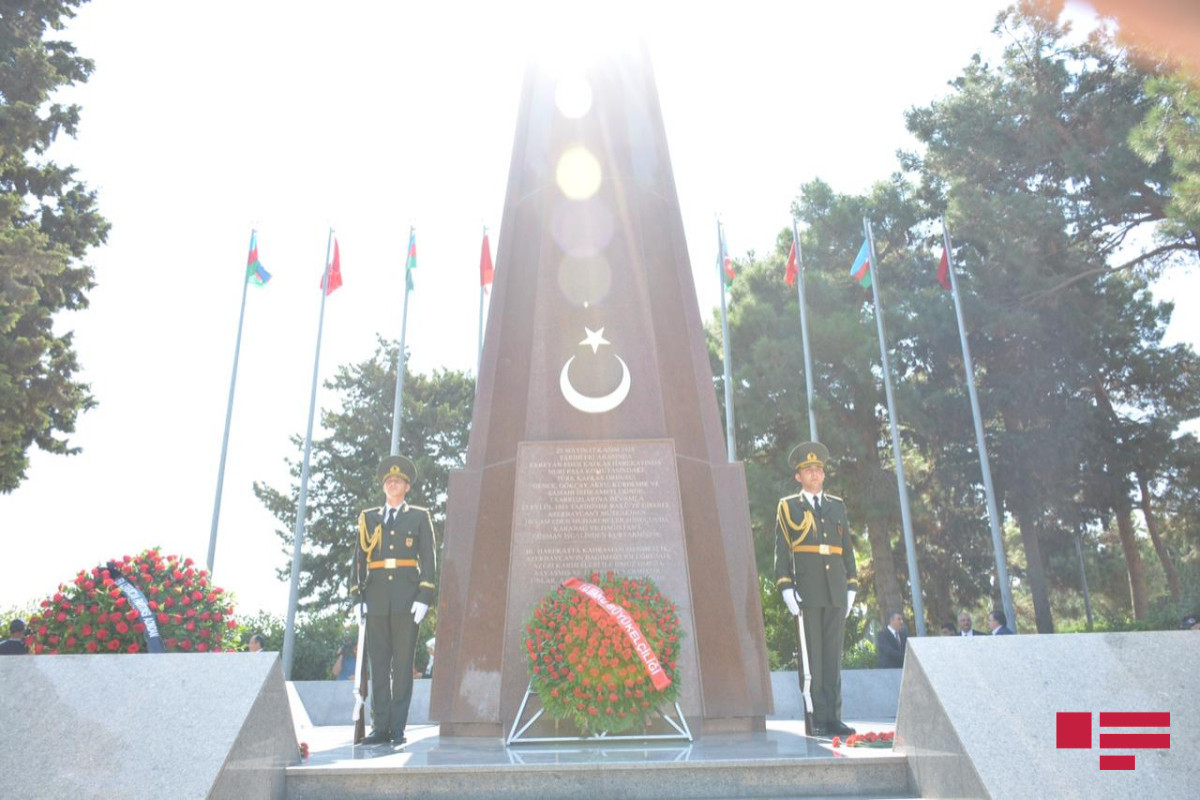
781 762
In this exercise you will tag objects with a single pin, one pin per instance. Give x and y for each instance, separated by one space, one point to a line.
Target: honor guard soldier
395 565
815 573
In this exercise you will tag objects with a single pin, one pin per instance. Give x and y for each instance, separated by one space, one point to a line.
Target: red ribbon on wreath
634 633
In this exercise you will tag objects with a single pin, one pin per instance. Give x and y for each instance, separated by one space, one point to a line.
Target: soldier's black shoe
820 730
377 737
399 739
840 728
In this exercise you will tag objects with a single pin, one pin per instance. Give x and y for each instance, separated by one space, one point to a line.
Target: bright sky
200 125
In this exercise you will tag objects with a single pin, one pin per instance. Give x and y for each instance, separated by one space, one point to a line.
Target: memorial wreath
98 612
868 739
602 653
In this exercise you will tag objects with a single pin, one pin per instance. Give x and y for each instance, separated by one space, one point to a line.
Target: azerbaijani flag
256 273
793 269
411 263
860 270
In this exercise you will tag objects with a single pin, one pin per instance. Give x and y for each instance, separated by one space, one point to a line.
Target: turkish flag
943 273
792 268
334 271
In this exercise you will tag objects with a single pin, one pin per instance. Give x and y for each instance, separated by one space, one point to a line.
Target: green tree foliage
769 377
1059 229
1060 225
1171 132
48 220
433 432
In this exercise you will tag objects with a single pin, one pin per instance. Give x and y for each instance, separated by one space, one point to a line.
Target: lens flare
578 173
573 95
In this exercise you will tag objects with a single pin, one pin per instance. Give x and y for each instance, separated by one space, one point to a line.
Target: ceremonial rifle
360 678
360 662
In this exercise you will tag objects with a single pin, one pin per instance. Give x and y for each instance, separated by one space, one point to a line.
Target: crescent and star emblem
586 403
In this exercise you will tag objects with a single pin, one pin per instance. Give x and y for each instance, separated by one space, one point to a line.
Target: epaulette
834 497
418 508
376 508
795 496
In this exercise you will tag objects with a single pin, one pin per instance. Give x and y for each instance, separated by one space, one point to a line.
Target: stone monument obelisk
595 442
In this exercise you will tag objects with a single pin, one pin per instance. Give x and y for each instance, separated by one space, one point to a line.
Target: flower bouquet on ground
93 614
868 739
602 653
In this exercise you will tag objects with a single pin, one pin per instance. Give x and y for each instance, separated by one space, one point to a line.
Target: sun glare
578 173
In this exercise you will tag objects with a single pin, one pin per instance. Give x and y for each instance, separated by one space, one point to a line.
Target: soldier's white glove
419 610
792 601
849 602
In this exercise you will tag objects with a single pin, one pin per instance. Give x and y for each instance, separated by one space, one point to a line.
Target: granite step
778 763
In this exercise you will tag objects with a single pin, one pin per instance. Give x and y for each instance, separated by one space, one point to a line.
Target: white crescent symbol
594 405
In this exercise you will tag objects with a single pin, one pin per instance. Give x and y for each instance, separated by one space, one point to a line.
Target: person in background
14 645
347 661
964 625
998 623
429 664
257 642
948 629
1190 623
889 643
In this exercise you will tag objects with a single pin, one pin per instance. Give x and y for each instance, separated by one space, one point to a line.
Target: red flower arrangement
868 739
582 663
93 615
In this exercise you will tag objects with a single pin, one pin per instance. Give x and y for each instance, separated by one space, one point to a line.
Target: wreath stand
516 734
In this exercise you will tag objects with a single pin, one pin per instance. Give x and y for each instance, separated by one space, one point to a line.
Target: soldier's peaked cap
808 454
399 466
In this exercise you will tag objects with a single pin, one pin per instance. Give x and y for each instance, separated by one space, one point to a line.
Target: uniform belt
393 563
823 549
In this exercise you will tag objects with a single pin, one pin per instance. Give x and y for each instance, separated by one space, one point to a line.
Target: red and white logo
1074 731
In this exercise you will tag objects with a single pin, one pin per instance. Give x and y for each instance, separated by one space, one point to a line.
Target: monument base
485 730
778 762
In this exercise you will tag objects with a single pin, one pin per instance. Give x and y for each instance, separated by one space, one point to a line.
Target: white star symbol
595 339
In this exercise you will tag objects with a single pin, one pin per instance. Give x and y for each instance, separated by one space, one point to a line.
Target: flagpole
479 357
289 631
980 441
910 546
398 403
808 383
237 351
721 256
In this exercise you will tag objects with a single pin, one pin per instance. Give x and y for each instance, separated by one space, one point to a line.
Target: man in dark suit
395 565
14 645
998 623
964 625
889 643
815 571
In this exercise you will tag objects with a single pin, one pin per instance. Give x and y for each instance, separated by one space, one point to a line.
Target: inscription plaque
584 506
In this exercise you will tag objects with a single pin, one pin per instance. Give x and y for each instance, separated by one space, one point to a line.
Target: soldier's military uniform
814 555
395 565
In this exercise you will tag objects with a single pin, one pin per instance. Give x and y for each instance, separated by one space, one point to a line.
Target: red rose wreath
93 615
602 653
